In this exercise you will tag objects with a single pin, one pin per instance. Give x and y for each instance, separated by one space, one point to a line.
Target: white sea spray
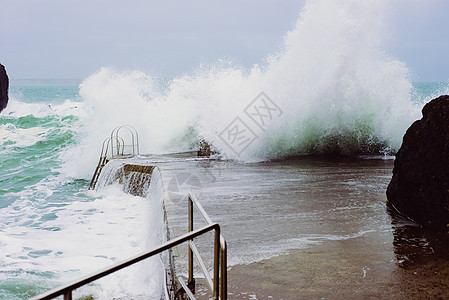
336 89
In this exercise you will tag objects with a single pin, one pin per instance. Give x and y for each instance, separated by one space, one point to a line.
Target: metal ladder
115 147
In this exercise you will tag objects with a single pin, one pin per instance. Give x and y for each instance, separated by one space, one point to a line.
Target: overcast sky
74 38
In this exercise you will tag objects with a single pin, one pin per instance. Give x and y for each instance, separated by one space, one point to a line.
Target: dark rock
4 86
204 149
419 188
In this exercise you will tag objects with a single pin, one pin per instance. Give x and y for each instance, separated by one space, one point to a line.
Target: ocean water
53 229
302 101
48 214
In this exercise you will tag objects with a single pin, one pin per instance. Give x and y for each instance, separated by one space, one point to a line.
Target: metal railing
67 289
117 144
220 261
114 147
217 284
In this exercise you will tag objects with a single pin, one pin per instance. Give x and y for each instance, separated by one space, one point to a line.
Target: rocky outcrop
4 86
419 188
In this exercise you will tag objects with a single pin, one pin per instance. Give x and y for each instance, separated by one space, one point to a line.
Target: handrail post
190 249
220 254
68 295
137 144
216 264
224 267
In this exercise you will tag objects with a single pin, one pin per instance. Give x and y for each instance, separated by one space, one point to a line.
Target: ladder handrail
101 162
220 261
134 139
67 289
115 142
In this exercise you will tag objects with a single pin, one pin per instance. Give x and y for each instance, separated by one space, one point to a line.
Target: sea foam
335 89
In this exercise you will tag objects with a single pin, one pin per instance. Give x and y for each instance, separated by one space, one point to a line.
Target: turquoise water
330 89
30 149
52 229
31 144
43 206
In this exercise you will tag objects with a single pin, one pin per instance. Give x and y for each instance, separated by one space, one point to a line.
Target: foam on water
260 253
17 108
47 217
57 242
21 137
337 90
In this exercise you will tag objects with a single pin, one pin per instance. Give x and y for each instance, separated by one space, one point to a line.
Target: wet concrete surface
308 229
348 269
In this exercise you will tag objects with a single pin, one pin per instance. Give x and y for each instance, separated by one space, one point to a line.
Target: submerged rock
419 188
204 149
4 86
